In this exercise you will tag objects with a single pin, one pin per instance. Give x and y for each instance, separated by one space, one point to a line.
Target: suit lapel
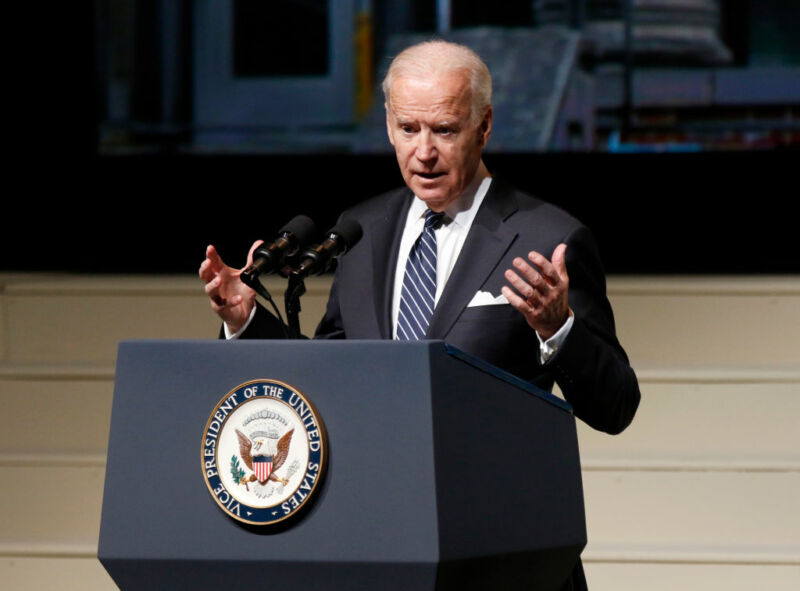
488 240
386 232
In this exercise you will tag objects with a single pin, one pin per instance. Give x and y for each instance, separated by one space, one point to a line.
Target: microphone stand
291 302
254 283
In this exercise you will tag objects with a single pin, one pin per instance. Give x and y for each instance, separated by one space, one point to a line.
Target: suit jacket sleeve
331 326
591 368
264 325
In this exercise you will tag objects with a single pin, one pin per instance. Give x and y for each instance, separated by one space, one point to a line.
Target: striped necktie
419 284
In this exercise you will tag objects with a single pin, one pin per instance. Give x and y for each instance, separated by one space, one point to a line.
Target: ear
388 123
486 126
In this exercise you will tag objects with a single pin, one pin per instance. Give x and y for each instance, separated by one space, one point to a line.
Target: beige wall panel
82 320
55 417
3 325
717 329
50 508
86 328
58 574
684 425
690 577
693 516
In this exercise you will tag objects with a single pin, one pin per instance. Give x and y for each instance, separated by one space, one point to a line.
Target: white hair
437 57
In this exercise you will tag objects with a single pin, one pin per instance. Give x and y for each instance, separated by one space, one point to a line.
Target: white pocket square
484 298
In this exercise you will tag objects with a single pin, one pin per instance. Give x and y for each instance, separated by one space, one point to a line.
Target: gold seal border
323 454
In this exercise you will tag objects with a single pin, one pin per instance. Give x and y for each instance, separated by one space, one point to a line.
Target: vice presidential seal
264 452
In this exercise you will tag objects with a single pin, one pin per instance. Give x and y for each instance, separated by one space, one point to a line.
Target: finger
212 289
520 304
546 268
212 265
560 259
526 290
531 275
205 272
513 298
208 270
218 303
213 256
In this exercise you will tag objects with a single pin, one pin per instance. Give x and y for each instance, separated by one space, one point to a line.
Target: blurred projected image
301 76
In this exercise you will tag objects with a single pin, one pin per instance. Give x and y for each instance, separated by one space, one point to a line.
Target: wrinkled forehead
439 90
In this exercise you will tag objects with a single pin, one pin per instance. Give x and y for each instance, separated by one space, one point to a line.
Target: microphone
270 258
341 238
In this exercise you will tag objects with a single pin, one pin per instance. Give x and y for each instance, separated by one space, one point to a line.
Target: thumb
560 259
253 248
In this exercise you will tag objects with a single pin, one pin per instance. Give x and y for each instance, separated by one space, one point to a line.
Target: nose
426 147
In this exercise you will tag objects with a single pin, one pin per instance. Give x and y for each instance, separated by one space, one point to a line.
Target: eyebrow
436 124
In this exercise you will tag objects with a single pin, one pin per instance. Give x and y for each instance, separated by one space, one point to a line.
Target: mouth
430 175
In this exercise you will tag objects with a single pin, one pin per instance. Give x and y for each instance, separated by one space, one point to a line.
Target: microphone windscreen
302 227
349 230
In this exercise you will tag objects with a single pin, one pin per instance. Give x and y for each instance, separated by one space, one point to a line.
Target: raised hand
540 290
231 299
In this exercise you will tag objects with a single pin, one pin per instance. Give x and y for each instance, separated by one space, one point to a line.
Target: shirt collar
463 210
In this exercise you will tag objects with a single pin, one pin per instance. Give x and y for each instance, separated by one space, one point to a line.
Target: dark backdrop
652 213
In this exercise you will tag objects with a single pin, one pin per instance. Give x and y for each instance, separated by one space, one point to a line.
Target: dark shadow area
651 213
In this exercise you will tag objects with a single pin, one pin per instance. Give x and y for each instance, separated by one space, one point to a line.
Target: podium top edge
507 377
442 346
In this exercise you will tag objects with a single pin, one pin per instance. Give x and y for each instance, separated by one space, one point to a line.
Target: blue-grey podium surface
444 473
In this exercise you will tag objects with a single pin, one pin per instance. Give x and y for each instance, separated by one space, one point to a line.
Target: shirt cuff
549 347
235 335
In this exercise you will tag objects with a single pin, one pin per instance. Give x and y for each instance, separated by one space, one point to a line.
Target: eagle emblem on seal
262 460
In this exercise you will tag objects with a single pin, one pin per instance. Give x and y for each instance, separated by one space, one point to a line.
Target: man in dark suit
493 268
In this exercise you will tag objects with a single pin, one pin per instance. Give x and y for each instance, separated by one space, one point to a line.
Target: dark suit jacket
591 367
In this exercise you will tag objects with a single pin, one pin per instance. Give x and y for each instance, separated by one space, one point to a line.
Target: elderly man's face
437 143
